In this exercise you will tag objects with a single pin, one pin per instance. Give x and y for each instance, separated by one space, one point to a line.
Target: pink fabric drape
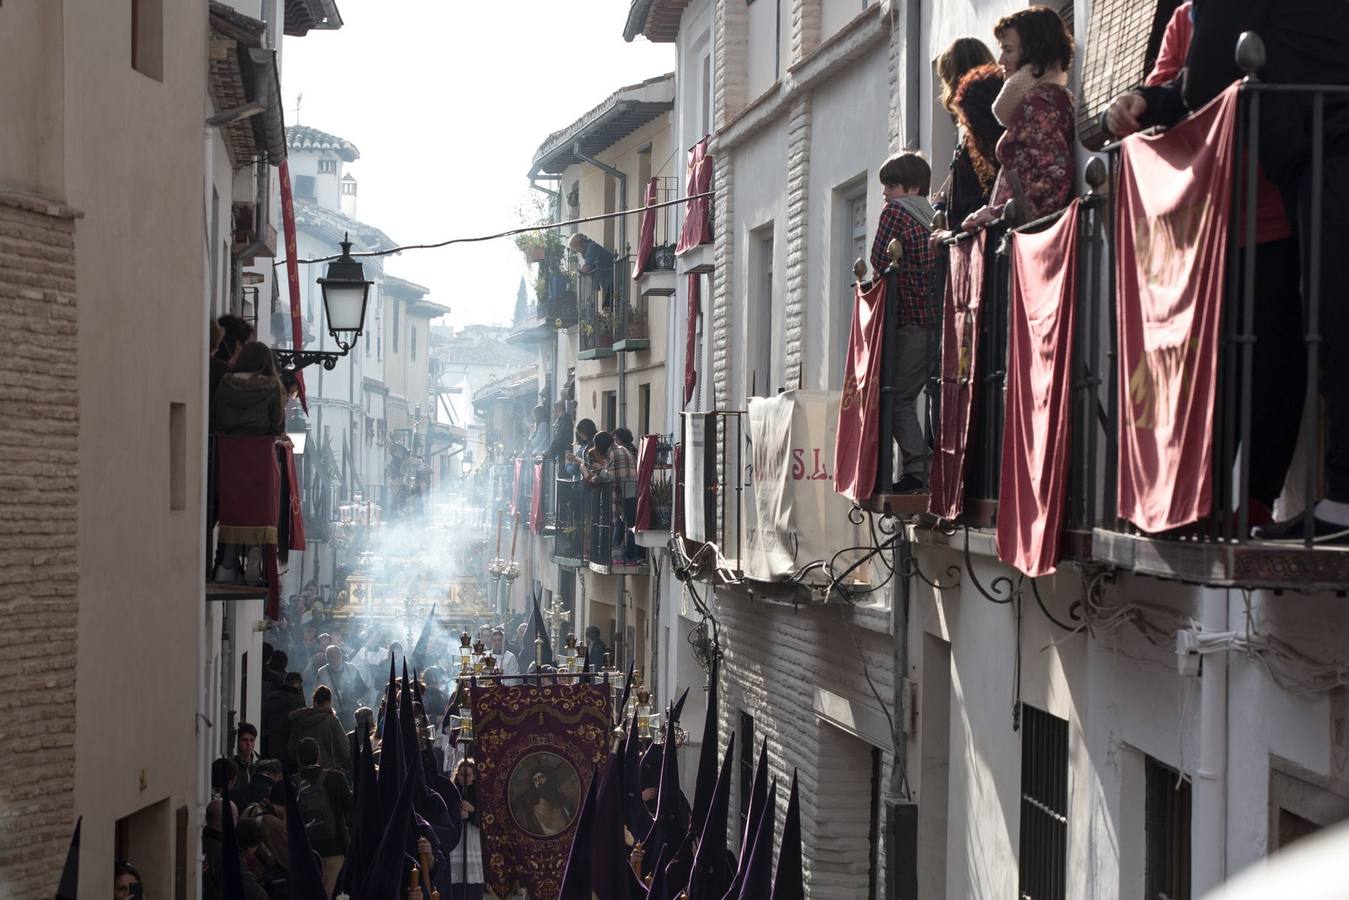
646 465
1173 209
536 501
691 340
646 238
960 344
857 439
697 228
1039 373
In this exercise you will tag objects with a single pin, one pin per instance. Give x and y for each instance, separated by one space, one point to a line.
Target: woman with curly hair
973 165
1036 108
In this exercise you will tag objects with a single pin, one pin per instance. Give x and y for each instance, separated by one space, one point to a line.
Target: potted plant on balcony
662 258
636 324
662 504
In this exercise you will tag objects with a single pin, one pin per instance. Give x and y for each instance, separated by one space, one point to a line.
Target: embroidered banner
858 438
536 747
1036 432
1174 206
960 341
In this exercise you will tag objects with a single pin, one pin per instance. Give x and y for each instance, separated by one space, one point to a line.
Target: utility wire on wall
527 229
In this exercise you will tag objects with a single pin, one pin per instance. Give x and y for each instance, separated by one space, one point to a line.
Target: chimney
349 196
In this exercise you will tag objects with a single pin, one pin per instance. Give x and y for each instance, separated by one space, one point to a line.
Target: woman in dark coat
968 184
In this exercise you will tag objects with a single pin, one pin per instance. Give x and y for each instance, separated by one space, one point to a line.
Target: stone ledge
37 204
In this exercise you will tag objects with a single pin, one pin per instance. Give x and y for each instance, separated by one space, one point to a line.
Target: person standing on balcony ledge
1306 42
595 260
907 218
1037 109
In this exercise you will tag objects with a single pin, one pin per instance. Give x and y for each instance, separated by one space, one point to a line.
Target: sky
447 101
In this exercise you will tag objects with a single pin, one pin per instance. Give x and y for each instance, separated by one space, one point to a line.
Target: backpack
316 811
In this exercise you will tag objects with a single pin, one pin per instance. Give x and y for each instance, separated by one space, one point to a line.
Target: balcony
656 492
596 322
1106 394
631 326
710 486
592 527
255 501
655 266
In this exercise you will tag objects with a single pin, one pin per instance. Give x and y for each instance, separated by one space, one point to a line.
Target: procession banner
536 746
858 436
960 343
792 513
1039 371
1174 206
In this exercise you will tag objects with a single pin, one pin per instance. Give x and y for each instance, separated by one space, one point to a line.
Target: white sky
448 100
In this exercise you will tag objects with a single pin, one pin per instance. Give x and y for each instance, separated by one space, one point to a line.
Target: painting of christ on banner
536 745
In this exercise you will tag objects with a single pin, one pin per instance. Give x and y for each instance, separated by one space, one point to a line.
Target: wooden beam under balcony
224 591
1251 564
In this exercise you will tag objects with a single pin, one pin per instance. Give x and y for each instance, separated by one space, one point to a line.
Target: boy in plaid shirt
907 217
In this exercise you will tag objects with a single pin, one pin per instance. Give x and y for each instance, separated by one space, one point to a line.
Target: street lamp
297 429
345 294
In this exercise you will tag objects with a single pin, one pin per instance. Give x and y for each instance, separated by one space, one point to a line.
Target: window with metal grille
1044 805
1166 829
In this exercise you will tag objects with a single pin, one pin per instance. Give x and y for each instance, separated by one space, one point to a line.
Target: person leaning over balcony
1306 42
595 259
562 432
249 400
974 165
907 218
585 436
1036 152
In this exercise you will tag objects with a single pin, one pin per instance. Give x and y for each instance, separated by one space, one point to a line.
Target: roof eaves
621 113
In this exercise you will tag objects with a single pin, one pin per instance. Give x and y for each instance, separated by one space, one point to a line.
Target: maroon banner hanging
960 344
646 237
536 746
1173 206
697 228
857 440
691 339
1039 374
536 501
646 466
292 272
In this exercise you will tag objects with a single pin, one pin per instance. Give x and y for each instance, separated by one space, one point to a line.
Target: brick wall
798 221
38 530
775 657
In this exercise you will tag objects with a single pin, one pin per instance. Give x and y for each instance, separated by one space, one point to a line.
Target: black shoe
1293 530
911 484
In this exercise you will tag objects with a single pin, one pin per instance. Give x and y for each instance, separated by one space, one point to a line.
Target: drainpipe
1209 859
913 73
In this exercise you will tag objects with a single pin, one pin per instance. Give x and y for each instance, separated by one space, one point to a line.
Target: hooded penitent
789 883
711 869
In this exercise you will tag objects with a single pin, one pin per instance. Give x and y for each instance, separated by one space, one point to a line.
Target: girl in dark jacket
968 182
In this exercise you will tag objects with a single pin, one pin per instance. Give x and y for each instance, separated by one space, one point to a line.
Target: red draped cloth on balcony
1174 206
248 479
297 541
536 501
1039 373
646 465
858 438
646 238
691 340
697 228
960 345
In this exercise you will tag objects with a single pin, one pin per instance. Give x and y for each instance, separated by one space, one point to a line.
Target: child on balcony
907 218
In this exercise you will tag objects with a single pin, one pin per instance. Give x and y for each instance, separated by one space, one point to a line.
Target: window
746 766
304 187
707 94
610 207
1167 832
609 410
397 323
1043 853
329 167
759 322
412 343
644 408
852 245
147 38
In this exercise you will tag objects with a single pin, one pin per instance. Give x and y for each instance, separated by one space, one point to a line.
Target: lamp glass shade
298 440
344 303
